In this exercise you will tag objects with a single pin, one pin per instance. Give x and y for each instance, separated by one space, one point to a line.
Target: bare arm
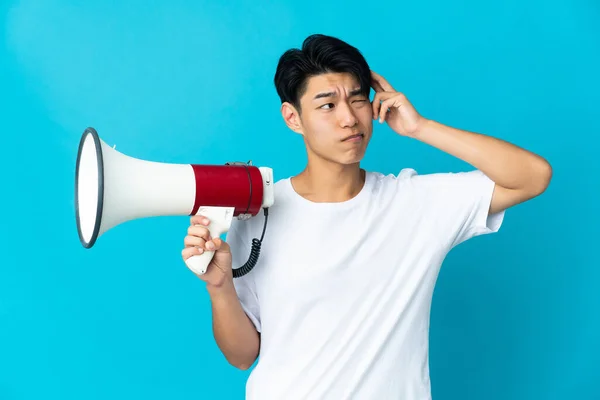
234 333
519 174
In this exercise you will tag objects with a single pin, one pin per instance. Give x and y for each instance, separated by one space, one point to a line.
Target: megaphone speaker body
112 188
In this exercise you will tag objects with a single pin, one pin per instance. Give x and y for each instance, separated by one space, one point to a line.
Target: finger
375 85
385 108
376 104
199 220
214 244
382 82
194 241
190 252
383 111
199 231
220 245
377 100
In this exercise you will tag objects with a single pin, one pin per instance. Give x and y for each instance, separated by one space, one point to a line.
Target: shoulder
408 180
432 180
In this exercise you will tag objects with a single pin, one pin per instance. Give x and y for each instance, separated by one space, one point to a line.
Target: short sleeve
461 203
245 286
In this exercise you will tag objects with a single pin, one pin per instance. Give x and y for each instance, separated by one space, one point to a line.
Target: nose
346 116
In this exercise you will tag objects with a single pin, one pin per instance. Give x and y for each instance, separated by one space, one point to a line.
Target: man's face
333 110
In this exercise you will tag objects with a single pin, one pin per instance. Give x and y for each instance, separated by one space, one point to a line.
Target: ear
291 117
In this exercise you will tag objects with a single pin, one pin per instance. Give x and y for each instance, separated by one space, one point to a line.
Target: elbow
242 363
243 367
542 179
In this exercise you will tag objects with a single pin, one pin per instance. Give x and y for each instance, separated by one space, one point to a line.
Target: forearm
234 333
507 165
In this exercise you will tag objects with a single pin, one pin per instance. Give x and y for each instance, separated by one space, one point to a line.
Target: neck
322 182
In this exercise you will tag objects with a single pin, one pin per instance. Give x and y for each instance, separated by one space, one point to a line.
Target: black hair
319 54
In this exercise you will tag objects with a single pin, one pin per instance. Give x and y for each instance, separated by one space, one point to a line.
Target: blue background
515 315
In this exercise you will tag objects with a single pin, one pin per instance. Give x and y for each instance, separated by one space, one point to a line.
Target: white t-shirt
341 293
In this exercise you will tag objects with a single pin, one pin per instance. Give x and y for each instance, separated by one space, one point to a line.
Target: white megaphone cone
112 188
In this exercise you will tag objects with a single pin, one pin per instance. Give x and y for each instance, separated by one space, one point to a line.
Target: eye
326 105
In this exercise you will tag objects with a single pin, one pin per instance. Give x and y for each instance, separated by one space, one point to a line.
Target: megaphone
112 188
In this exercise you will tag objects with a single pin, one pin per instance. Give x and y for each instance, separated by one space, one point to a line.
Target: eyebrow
354 92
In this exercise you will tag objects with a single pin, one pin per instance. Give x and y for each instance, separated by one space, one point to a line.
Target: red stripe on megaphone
239 186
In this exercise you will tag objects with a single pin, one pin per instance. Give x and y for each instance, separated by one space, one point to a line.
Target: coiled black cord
254 252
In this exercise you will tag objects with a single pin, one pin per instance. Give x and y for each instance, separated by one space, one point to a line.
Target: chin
353 158
351 161
346 158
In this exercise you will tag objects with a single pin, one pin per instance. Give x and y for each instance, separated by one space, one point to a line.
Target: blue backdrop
515 315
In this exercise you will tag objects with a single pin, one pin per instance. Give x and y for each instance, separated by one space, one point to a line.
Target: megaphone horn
112 188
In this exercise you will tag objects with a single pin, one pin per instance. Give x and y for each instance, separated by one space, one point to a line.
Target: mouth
355 137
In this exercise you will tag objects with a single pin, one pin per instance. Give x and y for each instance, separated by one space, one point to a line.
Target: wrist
222 290
432 133
423 129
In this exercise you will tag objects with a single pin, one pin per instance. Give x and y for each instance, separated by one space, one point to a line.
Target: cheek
318 130
366 111
323 129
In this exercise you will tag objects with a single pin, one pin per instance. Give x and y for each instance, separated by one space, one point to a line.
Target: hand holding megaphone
208 224
201 247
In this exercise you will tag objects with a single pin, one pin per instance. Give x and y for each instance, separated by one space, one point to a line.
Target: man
338 304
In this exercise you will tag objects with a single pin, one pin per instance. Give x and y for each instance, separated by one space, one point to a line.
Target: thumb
221 245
